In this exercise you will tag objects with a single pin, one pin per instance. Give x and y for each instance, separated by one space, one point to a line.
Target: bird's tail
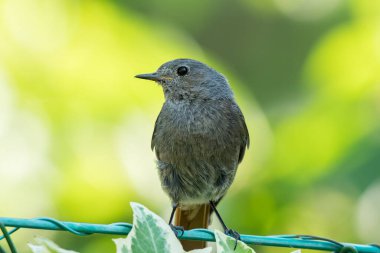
195 217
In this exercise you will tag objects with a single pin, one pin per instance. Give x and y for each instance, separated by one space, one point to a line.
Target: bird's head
186 79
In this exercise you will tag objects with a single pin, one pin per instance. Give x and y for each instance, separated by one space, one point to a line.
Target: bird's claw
177 230
233 234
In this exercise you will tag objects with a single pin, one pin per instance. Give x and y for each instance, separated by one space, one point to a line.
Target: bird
199 138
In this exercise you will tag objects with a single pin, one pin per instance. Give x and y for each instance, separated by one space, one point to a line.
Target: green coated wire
9 233
8 238
121 228
64 226
312 237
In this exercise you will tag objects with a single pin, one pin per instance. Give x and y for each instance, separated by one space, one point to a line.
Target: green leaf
150 234
46 246
121 245
226 244
205 250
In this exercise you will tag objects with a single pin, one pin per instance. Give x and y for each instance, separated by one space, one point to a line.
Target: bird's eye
181 71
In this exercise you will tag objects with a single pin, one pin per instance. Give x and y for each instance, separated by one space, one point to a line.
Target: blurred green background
75 126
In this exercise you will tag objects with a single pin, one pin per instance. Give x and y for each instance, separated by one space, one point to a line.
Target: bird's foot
233 234
178 230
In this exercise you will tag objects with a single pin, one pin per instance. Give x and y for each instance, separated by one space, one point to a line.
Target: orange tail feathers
197 217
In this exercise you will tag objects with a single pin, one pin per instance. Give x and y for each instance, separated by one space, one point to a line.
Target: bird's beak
153 76
150 76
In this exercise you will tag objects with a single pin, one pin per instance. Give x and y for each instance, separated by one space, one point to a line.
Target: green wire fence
120 228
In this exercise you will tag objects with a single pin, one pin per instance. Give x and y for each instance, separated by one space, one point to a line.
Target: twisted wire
121 228
8 238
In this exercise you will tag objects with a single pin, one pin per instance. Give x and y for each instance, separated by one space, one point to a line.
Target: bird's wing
244 134
153 142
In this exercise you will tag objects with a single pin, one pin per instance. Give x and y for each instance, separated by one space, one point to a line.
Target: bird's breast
188 131
189 120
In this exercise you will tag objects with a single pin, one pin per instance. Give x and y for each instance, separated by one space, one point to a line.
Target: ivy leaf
121 245
226 244
46 246
205 250
150 234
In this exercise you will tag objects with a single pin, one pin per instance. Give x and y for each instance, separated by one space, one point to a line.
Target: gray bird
200 135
